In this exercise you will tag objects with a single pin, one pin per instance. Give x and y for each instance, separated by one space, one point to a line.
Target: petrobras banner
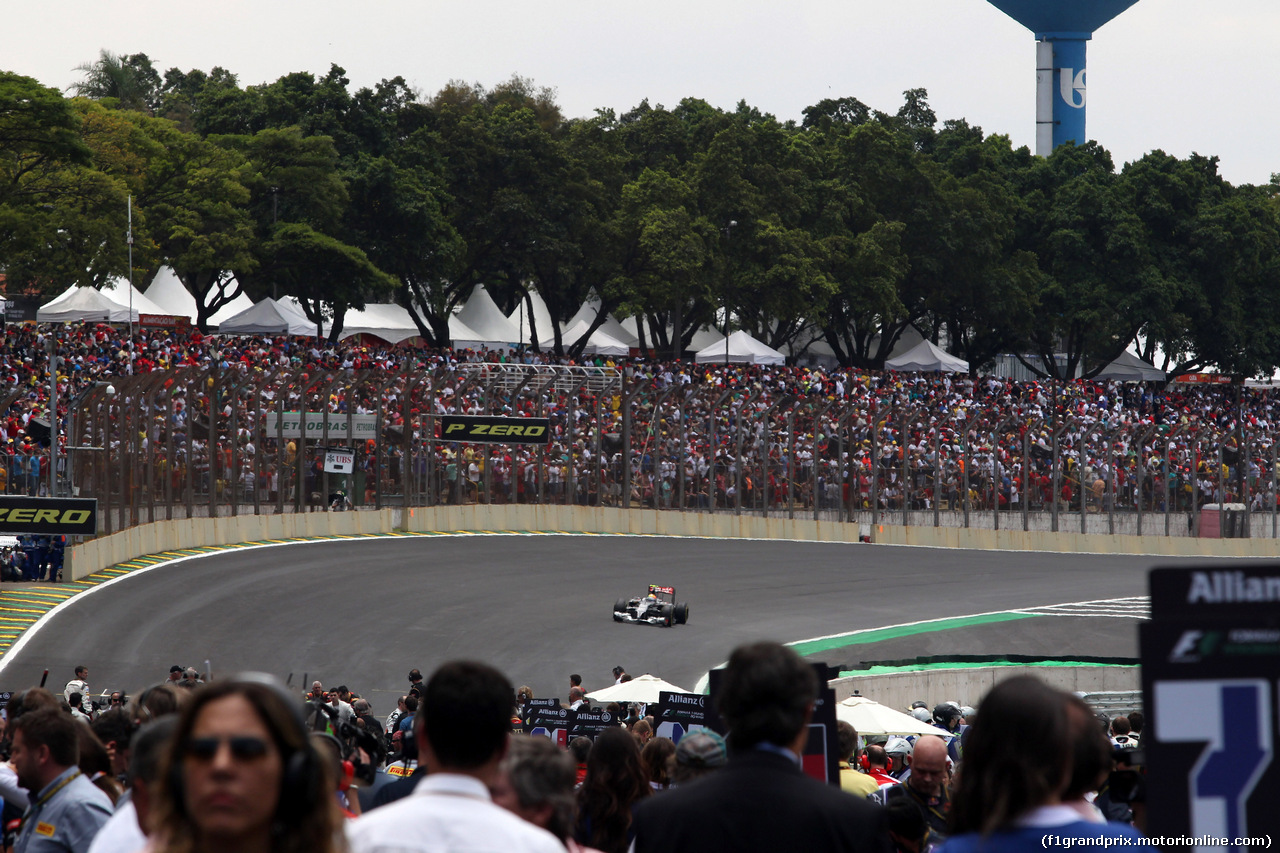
473 429
363 427
48 516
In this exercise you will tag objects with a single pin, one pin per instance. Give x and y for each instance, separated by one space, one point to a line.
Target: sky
1173 75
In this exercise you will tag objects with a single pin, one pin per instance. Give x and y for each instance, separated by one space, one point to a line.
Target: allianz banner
471 429
48 516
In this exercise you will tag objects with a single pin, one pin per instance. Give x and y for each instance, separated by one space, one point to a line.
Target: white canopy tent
168 291
611 327
84 305
925 357
741 349
118 290
644 688
871 718
268 317
491 327
541 318
1130 368
388 321
600 342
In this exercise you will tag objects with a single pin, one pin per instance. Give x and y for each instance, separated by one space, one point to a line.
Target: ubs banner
472 429
1210 667
48 516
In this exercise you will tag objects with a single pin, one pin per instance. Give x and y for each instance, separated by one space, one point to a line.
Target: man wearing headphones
461 728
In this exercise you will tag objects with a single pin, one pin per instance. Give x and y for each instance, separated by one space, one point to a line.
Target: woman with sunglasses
241 775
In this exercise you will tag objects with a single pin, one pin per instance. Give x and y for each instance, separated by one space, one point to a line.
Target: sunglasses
242 748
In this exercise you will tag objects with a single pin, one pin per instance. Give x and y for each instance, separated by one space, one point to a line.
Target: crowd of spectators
247 764
637 432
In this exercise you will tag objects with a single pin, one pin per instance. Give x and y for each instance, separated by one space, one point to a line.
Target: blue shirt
64 818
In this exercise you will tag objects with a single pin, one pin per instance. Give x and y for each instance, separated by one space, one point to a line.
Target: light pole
728 239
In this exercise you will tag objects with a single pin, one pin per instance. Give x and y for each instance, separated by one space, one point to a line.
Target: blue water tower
1062 27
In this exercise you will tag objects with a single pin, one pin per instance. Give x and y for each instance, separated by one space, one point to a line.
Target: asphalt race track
539 607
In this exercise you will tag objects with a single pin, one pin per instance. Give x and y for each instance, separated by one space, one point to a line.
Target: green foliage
852 227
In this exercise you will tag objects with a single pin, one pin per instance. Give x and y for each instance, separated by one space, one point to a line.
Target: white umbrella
871 718
643 689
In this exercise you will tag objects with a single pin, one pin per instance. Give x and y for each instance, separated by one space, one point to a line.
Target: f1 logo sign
1071 84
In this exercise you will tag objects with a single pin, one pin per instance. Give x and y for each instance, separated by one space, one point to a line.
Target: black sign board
821 758
563 725
472 429
1210 666
48 516
677 714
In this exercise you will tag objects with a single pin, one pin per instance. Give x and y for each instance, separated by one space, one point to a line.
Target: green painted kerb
827 644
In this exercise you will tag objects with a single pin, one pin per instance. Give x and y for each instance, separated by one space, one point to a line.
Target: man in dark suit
761 800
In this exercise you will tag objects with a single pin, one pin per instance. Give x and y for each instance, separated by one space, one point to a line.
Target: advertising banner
339 460
363 427
473 429
677 714
48 516
1210 667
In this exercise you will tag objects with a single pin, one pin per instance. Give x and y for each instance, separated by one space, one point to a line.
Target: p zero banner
48 516
473 429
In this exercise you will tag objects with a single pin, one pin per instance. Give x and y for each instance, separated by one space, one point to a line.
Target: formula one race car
658 607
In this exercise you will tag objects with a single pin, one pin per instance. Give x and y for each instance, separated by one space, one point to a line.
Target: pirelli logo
479 428
49 516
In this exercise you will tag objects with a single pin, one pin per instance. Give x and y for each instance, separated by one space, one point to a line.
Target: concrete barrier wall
97 554
967 686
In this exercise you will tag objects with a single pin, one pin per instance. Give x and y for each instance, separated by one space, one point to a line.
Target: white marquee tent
541 318
268 317
84 304
482 315
600 342
614 329
1130 368
167 291
925 357
388 321
741 349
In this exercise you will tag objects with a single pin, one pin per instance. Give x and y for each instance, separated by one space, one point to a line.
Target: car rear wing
654 589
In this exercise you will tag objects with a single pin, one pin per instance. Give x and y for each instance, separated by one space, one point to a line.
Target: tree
45 173
131 82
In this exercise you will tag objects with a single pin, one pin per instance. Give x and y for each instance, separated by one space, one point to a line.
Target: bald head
928 765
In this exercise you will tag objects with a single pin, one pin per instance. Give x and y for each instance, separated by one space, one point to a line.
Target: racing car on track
657 607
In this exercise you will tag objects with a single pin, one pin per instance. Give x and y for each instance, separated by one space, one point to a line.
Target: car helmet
922 714
918 704
968 712
898 746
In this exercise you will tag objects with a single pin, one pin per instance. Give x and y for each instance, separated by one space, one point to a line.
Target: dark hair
580 748
575 680
541 773
1136 720
765 695
307 819
653 758
95 764
1090 750
411 702
465 714
51 728
149 745
1016 758
157 701
1120 725
615 782
876 756
114 726
847 737
906 822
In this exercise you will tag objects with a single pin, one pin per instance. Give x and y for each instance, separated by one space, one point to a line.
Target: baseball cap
702 748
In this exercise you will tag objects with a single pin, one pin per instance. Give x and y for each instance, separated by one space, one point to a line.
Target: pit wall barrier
967 686
106 551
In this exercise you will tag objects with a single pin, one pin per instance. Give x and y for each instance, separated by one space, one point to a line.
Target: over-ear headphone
300 782
864 763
